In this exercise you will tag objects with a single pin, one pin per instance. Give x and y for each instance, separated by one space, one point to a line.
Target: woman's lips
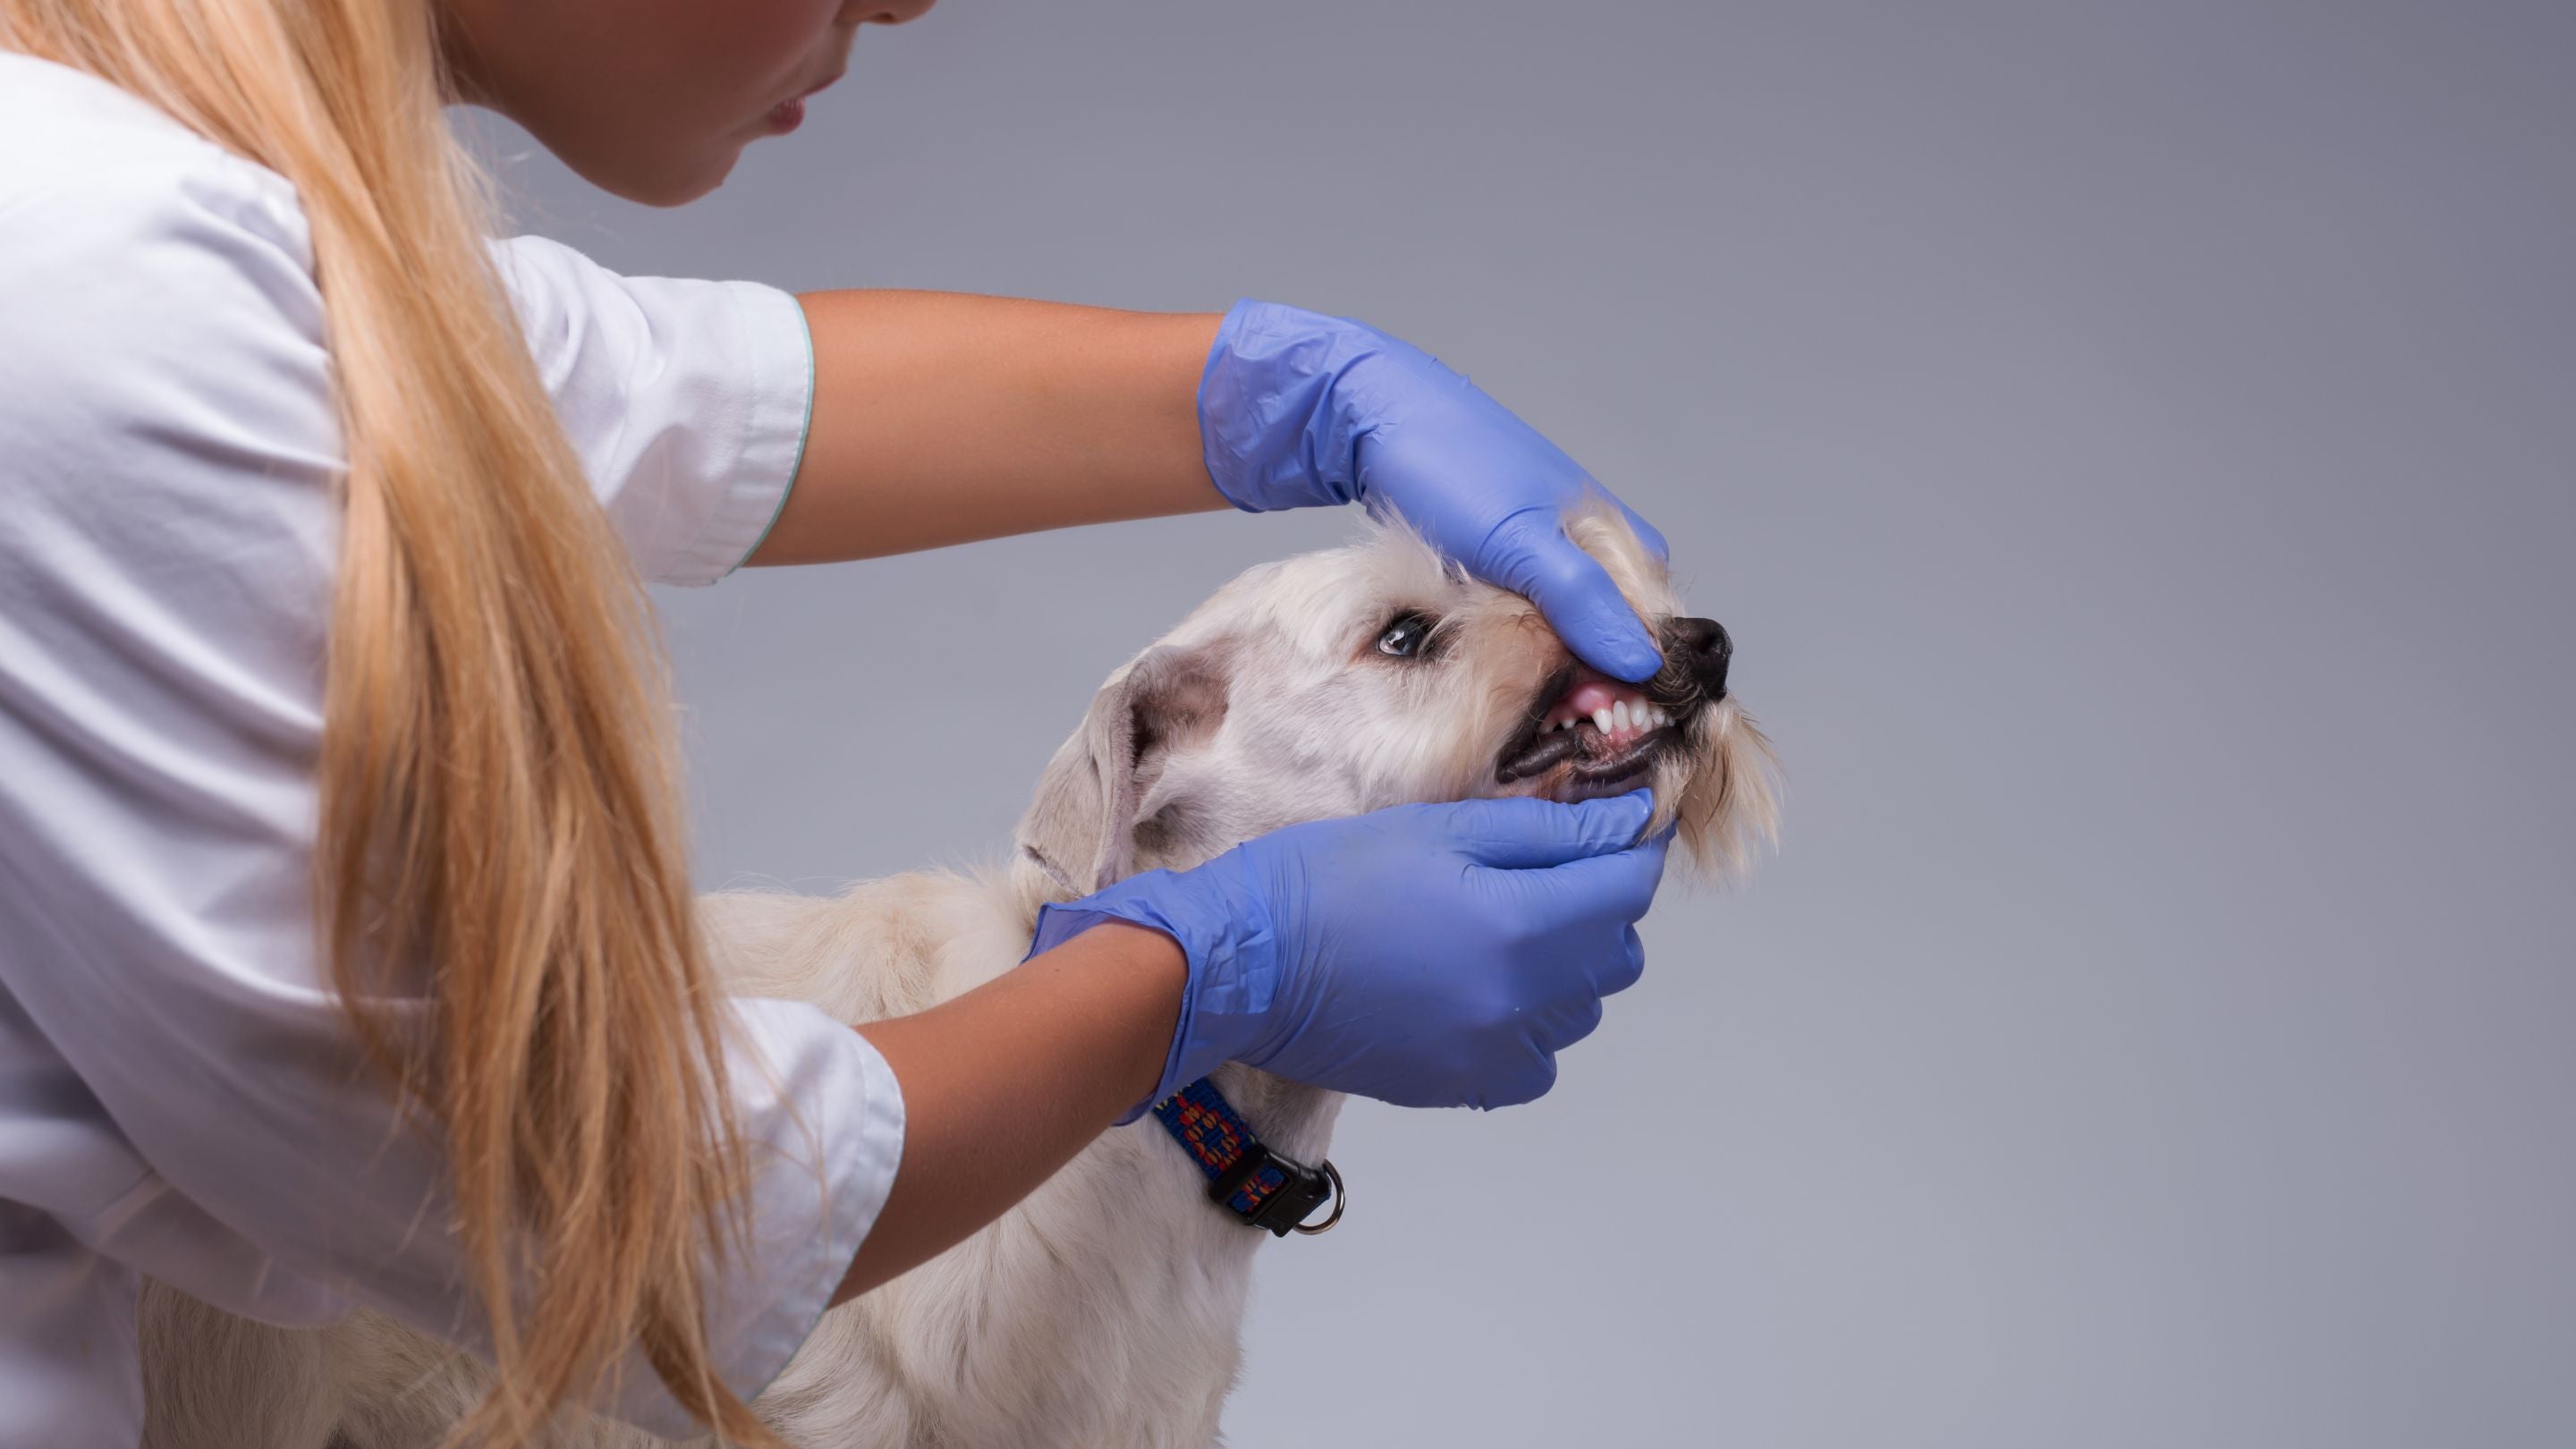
789 114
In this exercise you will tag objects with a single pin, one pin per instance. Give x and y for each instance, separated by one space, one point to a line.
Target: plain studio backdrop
2134 447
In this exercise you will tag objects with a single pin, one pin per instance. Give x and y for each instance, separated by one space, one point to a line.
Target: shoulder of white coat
165 387
139 262
92 166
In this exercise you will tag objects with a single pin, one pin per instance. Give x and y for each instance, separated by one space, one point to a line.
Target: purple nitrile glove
1428 955
1298 410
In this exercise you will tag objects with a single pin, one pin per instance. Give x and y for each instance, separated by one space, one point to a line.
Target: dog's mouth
1587 734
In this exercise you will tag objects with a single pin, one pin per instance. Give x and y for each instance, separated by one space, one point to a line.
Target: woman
345 940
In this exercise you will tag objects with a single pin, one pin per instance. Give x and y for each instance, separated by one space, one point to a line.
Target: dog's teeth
1601 719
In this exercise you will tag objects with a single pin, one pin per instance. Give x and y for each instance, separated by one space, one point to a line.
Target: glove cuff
1268 428
1225 936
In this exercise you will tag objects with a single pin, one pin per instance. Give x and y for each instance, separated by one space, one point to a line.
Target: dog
1106 1308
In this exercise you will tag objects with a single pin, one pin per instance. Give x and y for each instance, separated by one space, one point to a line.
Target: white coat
179 1097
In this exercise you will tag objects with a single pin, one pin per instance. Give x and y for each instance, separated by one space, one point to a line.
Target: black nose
1701 646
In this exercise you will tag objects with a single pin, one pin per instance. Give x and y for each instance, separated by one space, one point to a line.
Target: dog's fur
1104 1309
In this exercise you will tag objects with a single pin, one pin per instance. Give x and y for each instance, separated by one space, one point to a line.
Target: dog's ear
1082 828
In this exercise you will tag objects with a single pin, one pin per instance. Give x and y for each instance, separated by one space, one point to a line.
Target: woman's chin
663 180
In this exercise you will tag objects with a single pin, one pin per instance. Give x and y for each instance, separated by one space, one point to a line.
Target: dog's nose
1701 646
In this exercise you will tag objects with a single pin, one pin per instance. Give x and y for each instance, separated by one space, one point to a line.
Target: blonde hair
496 774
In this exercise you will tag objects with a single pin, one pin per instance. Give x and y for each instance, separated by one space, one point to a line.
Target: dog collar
1245 1177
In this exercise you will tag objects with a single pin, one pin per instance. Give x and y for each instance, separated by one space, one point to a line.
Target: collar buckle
1269 1191
1246 1177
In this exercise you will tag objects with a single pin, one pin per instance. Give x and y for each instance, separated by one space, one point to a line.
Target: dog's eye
1406 635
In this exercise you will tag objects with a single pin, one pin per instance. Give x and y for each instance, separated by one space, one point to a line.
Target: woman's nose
1701 646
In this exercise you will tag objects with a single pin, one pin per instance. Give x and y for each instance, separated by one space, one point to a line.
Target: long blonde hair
496 773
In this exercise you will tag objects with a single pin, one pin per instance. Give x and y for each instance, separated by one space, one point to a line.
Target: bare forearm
1005 1084
941 418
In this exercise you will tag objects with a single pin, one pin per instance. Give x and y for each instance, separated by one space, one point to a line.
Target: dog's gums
1619 711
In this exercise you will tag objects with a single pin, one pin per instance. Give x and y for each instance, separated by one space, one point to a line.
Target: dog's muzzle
1587 734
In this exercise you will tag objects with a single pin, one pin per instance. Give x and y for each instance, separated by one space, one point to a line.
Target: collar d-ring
1341 1197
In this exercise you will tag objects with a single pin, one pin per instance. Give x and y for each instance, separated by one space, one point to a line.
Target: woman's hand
1298 409
1428 955
938 419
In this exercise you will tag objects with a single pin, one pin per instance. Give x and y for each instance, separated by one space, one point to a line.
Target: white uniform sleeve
168 532
688 401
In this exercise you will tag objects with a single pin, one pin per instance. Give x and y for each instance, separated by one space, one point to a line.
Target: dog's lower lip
1584 784
1570 753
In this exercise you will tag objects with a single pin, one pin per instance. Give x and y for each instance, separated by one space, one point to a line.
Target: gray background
2133 447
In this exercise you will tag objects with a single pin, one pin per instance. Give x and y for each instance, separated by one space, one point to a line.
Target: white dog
1105 1309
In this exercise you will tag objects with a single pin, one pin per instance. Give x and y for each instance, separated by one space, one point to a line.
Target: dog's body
1105 1308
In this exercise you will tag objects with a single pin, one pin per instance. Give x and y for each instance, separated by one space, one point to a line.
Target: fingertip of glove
1634 660
1627 813
1618 646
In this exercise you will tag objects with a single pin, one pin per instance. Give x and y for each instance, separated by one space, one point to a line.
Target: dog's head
1375 675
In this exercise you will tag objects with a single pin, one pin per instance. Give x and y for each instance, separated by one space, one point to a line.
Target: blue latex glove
1298 410
1428 955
